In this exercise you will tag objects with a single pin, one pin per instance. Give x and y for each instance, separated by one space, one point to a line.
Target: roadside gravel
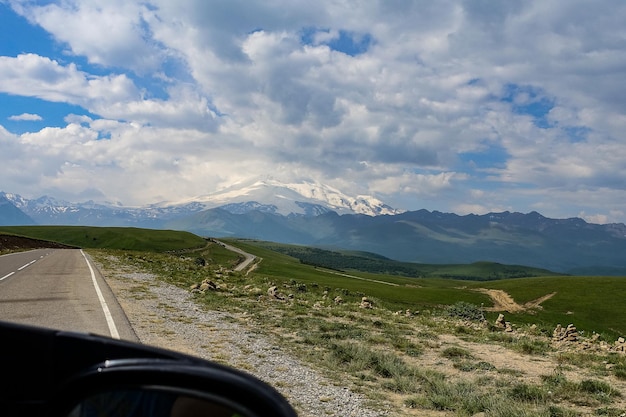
166 316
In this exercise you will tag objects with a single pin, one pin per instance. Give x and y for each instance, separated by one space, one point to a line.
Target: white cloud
241 94
36 76
26 117
109 33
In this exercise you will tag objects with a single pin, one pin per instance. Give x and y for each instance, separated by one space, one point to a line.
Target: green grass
374 263
125 238
592 304
387 356
390 291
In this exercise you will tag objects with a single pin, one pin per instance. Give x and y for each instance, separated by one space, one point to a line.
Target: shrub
620 371
596 387
456 353
466 311
528 393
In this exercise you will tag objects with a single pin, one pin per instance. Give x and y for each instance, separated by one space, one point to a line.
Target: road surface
248 257
59 289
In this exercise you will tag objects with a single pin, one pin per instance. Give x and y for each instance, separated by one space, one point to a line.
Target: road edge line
105 308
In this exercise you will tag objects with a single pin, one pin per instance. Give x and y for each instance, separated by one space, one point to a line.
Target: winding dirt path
502 301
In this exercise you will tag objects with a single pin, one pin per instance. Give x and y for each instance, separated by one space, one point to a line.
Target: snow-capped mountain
304 198
269 196
50 211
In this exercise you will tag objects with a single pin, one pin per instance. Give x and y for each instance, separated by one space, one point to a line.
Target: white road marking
28 264
7 275
105 308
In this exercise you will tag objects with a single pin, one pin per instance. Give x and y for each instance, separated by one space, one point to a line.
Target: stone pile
273 292
620 345
568 334
405 313
205 285
502 324
366 303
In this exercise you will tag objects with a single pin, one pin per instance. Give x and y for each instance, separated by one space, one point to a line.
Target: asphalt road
248 257
59 289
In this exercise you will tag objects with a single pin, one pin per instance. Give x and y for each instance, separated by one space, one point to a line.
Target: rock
338 300
569 334
620 345
366 303
273 293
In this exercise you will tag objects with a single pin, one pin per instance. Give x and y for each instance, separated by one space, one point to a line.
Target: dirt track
502 301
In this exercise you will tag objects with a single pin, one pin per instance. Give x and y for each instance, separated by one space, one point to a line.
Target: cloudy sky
458 106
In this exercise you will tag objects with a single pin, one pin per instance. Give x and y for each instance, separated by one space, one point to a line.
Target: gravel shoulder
166 316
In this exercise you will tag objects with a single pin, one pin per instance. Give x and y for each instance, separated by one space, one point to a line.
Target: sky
464 106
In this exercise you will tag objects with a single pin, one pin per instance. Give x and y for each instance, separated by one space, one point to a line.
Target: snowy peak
304 198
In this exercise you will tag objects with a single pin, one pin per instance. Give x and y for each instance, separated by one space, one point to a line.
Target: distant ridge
10 215
308 213
561 245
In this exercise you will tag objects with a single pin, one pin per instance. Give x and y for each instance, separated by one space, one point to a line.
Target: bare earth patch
502 301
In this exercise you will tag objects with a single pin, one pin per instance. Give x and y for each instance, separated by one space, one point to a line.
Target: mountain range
310 213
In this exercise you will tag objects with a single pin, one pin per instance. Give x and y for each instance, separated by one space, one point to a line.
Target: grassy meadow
593 304
441 359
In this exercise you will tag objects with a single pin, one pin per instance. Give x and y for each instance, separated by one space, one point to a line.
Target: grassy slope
412 293
591 303
369 262
397 358
110 237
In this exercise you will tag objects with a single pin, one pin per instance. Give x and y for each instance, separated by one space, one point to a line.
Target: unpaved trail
502 301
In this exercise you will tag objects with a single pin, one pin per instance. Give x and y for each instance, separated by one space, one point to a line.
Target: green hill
374 263
126 238
593 304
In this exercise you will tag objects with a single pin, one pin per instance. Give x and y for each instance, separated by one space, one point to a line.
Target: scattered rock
338 300
620 345
569 334
366 303
502 324
208 285
273 293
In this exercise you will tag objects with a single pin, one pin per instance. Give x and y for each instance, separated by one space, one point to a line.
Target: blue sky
457 106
